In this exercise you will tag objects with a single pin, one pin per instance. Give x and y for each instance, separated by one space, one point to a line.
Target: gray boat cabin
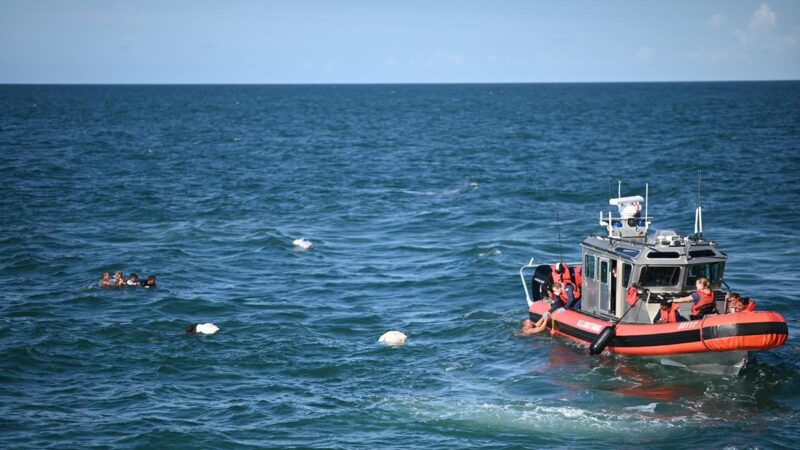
662 265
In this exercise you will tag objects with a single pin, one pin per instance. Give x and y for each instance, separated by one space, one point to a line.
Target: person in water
106 280
133 280
703 300
668 313
528 327
119 280
151 282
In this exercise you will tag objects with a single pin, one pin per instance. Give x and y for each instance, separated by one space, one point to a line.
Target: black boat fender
610 331
602 340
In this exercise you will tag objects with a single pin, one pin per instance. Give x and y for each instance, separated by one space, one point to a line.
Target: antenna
619 188
646 201
698 188
558 226
698 214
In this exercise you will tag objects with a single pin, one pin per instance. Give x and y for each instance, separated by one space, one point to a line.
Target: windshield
712 271
659 276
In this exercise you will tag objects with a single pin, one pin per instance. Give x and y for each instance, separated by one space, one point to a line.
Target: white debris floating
393 338
206 328
303 244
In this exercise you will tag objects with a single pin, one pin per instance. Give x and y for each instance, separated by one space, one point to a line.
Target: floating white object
206 328
303 244
393 338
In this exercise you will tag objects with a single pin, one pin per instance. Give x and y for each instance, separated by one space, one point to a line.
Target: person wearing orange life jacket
741 304
703 300
748 304
560 274
668 313
732 302
559 296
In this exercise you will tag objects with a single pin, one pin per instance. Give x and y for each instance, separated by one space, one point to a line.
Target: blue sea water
423 201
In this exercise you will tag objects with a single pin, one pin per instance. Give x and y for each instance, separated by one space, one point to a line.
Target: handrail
530 264
524 284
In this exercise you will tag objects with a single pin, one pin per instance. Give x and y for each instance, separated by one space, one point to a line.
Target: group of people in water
133 280
565 294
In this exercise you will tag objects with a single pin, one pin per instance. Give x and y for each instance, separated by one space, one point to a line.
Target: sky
388 41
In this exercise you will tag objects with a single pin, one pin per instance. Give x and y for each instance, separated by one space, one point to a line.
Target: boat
623 277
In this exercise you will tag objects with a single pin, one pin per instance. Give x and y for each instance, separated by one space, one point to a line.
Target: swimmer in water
119 280
528 327
106 280
151 282
133 280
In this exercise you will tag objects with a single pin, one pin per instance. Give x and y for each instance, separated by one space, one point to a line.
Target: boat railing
524 284
531 265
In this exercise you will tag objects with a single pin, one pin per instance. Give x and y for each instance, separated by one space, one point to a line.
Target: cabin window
712 271
659 276
702 253
588 265
626 275
604 272
663 255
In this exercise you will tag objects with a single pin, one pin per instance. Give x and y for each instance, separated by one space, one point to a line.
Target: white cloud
763 19
717 20
644 55
761 23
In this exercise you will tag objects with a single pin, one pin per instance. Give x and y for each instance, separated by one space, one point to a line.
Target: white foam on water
490 252
537 418
650 408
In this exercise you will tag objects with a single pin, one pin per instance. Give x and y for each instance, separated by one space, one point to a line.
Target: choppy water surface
423 202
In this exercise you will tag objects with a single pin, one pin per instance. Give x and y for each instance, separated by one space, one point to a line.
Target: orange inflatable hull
751 331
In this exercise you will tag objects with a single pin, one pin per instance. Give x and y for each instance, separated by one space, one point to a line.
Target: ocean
423 201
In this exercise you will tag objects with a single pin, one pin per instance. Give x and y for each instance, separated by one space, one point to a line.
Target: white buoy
393 338
206 328
303 244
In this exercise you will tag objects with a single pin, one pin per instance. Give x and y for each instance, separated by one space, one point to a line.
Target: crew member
668 313
560 274
703 300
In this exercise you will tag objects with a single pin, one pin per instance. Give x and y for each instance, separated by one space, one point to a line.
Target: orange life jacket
562 277
750 307
671 315
706 298
578 282
565 278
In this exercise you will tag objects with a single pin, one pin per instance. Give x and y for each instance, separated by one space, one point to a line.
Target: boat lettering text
586 325
688 325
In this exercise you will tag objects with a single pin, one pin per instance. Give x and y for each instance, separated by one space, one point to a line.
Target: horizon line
387 83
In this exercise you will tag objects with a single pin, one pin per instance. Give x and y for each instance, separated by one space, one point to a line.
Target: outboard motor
602 340
541 282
